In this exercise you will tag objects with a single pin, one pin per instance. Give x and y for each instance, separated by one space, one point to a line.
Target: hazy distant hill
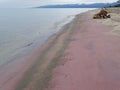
118 5
94 5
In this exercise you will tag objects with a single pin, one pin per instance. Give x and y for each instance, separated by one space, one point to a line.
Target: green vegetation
117 5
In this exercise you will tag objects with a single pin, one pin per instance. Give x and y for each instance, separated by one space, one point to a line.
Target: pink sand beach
84 55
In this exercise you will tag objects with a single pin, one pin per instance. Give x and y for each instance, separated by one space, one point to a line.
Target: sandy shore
13 72
33 71
113 22
84 55
91 60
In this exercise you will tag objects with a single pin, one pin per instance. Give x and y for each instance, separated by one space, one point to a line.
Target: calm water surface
22 29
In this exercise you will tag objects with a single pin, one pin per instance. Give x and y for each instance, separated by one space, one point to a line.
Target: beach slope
92 59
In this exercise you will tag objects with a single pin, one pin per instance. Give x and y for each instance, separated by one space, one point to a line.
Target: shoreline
54 49
22 65
9 85
48 61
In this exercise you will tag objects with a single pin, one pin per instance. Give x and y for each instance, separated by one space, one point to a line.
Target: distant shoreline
93 5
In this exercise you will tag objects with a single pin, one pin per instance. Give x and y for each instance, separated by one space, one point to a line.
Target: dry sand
113 22
92 59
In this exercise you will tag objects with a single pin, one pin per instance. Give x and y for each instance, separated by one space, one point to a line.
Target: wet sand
29 72
83 55
12 72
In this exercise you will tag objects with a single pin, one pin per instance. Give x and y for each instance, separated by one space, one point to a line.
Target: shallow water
22 29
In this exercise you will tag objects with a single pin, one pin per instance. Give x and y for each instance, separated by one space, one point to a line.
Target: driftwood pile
103 14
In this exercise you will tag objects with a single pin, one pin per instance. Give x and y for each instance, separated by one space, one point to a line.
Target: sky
32 3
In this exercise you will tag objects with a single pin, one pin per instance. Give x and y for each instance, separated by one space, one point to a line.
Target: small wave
62 22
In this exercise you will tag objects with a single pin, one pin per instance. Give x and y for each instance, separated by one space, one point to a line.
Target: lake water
22 29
